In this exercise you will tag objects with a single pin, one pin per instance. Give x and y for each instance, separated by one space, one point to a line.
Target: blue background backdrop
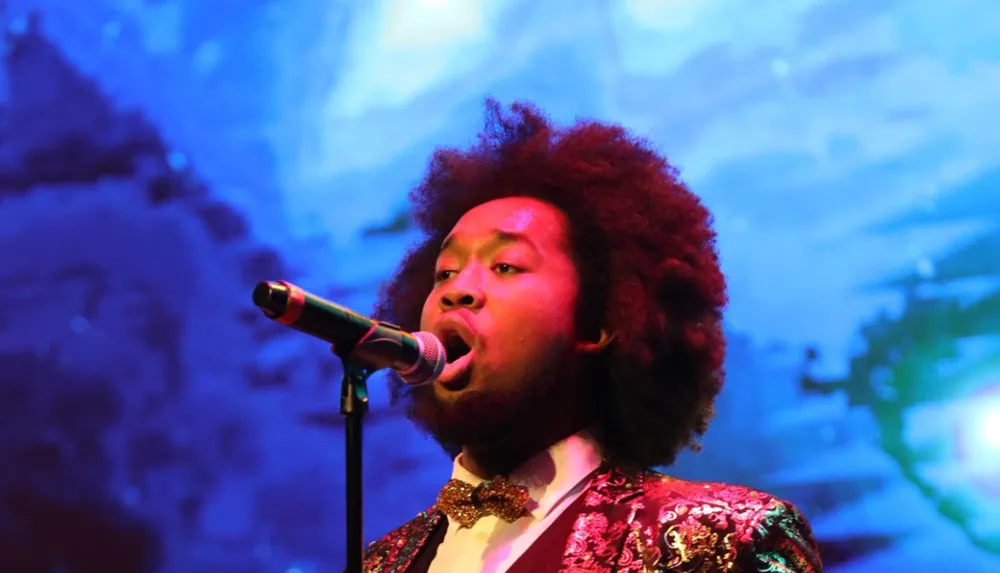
157 158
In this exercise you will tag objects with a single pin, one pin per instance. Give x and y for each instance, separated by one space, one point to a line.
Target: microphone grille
431 362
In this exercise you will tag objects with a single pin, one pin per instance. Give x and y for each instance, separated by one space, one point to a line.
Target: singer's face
504 304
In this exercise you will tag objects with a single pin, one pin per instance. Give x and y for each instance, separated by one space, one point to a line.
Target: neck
502 457
526 436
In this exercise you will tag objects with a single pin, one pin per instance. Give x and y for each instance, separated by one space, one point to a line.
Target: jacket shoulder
664 490
736 527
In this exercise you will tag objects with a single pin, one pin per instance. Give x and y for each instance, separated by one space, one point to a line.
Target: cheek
537 317
559 304
427 313
562 313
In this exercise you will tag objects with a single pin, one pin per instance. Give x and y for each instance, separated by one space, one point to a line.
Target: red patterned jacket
632 522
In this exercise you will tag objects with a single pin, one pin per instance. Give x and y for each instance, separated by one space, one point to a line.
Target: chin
483 408
455 388
466 415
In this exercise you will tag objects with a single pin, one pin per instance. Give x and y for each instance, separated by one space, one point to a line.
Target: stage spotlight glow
987 427
980 441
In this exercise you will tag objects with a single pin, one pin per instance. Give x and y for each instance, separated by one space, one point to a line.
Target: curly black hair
645 250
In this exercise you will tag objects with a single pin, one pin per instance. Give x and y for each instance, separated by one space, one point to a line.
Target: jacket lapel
602 522
395 552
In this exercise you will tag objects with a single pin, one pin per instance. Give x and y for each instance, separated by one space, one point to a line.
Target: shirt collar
550 475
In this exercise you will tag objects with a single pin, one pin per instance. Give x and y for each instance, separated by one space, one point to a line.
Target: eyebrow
499 236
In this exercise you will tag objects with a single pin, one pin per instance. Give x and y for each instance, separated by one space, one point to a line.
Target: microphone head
431 363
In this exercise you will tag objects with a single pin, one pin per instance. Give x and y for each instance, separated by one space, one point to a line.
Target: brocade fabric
649 522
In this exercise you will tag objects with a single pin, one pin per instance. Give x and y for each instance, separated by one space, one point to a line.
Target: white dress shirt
554 479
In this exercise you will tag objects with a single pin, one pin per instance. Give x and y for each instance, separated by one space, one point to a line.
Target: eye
506 269
443 275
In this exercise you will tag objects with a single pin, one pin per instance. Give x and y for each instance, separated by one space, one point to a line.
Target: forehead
539 222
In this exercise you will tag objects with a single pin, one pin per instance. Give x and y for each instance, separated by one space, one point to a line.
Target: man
575 283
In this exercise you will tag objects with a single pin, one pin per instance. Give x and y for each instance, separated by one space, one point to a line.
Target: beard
493 413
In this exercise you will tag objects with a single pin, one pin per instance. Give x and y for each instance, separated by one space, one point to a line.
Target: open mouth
455 347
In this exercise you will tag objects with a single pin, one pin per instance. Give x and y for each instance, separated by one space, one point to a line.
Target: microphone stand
353 407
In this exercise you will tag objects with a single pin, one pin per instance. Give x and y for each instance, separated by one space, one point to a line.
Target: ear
594 347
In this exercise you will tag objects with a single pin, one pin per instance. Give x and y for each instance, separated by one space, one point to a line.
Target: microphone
418 358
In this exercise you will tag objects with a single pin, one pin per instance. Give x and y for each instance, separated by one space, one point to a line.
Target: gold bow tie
466 503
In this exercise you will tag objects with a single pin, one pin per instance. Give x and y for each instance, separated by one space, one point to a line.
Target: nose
462 293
